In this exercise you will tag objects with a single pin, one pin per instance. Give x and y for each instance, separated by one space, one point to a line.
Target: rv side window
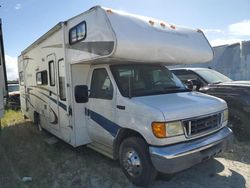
62 82
51 73
101 86
42 78
77 33
21 78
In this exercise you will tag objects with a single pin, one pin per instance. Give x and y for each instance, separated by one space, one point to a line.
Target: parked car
13 100
235 93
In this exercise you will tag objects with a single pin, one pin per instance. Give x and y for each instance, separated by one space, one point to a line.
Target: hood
12 93
177 106
237 83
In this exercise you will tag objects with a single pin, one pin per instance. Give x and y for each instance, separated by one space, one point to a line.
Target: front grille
201 125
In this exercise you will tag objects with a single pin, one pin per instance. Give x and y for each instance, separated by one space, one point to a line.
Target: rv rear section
100 79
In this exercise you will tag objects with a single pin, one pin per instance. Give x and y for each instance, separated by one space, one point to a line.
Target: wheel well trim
122 134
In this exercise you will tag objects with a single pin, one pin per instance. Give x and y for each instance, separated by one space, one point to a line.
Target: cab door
101 107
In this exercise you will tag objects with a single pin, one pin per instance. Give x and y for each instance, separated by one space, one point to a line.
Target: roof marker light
109 11
151 22
163 25
172 26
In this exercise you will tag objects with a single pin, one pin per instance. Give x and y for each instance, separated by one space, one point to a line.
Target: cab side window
101 86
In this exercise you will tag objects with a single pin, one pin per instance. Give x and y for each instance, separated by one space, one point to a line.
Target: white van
99 79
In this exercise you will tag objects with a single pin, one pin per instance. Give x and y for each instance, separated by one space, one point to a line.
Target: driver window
101 86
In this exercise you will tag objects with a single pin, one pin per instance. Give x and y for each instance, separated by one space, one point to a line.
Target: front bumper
175 158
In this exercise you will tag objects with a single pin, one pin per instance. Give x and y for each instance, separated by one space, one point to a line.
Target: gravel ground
25 153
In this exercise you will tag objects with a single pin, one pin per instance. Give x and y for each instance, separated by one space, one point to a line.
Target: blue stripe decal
108 125
55 101
60 103
63 106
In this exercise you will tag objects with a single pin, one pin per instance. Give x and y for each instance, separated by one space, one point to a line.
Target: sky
24 21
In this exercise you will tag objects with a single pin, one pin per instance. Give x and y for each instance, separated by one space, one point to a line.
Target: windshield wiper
216 82
172 87
175 89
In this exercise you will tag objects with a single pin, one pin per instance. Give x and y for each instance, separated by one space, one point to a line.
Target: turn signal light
159 129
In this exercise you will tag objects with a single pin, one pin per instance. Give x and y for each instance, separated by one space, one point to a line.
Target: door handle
120 107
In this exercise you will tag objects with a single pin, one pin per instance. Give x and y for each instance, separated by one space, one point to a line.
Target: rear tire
135 161
25 117
37 121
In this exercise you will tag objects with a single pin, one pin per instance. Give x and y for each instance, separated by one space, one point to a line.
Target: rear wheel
37 121
135 161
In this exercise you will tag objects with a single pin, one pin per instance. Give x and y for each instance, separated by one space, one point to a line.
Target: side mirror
193 84
81 94
189 84
197 84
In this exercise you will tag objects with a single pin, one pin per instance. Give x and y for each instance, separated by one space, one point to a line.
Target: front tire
239 123
135 161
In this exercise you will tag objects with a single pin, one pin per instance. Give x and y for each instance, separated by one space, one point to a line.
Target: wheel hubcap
132 163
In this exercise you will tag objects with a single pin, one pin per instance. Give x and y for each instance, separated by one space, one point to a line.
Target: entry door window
51 73
62 81
101 85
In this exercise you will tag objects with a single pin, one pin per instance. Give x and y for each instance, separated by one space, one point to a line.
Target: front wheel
239 123
135 161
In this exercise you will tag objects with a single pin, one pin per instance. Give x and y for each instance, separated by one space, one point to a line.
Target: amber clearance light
159 129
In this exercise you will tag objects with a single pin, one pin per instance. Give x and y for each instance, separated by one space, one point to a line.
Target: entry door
101 108
63 98
53 110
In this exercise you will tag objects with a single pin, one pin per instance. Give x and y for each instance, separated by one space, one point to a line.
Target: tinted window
62 81
51 73
41 78
13 87
212 76
77 33
21 78
101 86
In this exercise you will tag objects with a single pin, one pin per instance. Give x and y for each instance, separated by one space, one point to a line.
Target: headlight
225 115
163 129
174 128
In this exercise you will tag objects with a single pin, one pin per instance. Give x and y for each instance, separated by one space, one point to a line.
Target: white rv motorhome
2 73
99 79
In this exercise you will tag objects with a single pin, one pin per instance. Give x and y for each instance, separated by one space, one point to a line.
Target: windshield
140 80
212 76
14 87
